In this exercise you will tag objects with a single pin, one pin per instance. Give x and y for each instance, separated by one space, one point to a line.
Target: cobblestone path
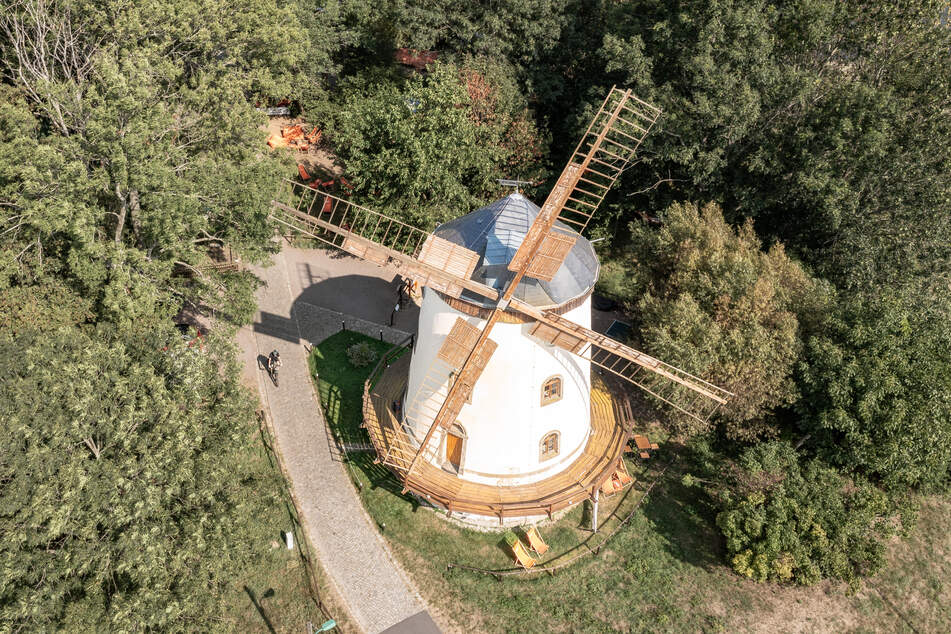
377 592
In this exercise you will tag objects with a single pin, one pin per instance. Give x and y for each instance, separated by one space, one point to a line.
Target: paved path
378 594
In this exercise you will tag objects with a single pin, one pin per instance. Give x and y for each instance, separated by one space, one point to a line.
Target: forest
785 232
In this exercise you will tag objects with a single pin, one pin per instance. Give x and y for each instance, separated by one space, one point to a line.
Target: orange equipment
275 140
518 550
618 480
295 136
535 541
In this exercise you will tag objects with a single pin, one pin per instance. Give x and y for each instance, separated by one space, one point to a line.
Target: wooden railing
384 453
552 568
394 448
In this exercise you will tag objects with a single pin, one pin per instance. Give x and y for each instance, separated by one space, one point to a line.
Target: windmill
507 305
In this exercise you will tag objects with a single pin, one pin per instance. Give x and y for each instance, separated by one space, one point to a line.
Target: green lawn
664 571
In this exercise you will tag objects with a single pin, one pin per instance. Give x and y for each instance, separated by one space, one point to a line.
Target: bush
361 354
791 523
708 299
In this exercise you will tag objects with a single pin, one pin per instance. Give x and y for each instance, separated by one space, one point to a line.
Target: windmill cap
495 233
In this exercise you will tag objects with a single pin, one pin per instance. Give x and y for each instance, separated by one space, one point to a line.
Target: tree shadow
381 477
257 605
278 327
685 516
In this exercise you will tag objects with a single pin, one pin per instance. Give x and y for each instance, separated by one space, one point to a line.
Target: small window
551 390
549 446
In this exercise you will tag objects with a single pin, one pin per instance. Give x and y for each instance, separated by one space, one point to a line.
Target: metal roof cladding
495 231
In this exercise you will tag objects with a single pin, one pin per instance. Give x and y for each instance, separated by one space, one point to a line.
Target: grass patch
279 590
340 384
664 571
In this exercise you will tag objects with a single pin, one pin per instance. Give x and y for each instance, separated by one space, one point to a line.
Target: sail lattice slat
683 391
604 151
608 145
411 252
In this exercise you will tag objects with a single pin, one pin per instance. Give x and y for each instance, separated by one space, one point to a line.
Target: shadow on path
368 298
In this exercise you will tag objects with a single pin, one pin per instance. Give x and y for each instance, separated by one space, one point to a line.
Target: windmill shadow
365 297
277 326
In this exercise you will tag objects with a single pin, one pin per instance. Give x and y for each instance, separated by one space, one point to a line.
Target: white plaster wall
505 422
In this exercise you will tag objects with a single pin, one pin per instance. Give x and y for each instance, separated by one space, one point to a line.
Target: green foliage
129 144
142 151
412 150
877 391
118 476
518 30
43 306
788 522
361 354
708 299
822 120
424 151
340 385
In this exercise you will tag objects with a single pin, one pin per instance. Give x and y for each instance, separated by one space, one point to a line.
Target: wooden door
454 450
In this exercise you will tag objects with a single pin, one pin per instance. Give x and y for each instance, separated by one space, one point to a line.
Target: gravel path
378 593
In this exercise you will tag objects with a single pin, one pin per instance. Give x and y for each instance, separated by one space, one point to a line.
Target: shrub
876 384
788 522
361 354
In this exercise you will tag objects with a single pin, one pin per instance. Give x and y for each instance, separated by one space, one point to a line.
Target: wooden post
594 514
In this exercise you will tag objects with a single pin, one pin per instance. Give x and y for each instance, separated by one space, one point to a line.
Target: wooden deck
577 482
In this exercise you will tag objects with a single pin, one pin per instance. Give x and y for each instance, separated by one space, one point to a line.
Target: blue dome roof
495 233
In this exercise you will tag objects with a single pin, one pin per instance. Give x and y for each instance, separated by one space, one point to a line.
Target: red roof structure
415 58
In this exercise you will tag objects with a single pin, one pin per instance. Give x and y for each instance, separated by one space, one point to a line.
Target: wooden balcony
575 483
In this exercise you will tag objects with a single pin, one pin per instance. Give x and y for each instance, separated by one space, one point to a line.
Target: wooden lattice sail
608 145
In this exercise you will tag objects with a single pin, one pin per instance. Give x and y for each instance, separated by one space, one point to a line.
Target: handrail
550 502
510 572
384 360
381 365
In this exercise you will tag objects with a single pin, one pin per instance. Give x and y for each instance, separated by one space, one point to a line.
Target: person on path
273 363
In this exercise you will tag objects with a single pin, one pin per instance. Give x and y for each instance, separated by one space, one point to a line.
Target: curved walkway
377 592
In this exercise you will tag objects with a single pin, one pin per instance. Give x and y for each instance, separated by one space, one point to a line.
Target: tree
876 384
128 146
707 299
823 121
148 142
788 522
420 150
519 31
119 474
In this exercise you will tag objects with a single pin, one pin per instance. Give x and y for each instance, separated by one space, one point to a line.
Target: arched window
549 446
551 390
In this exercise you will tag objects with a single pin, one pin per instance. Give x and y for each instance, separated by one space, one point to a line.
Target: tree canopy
877 392
709 299
429 149
129 145
784 521
120 475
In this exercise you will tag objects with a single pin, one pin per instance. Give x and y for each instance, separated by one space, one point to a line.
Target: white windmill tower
507 426
532 394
